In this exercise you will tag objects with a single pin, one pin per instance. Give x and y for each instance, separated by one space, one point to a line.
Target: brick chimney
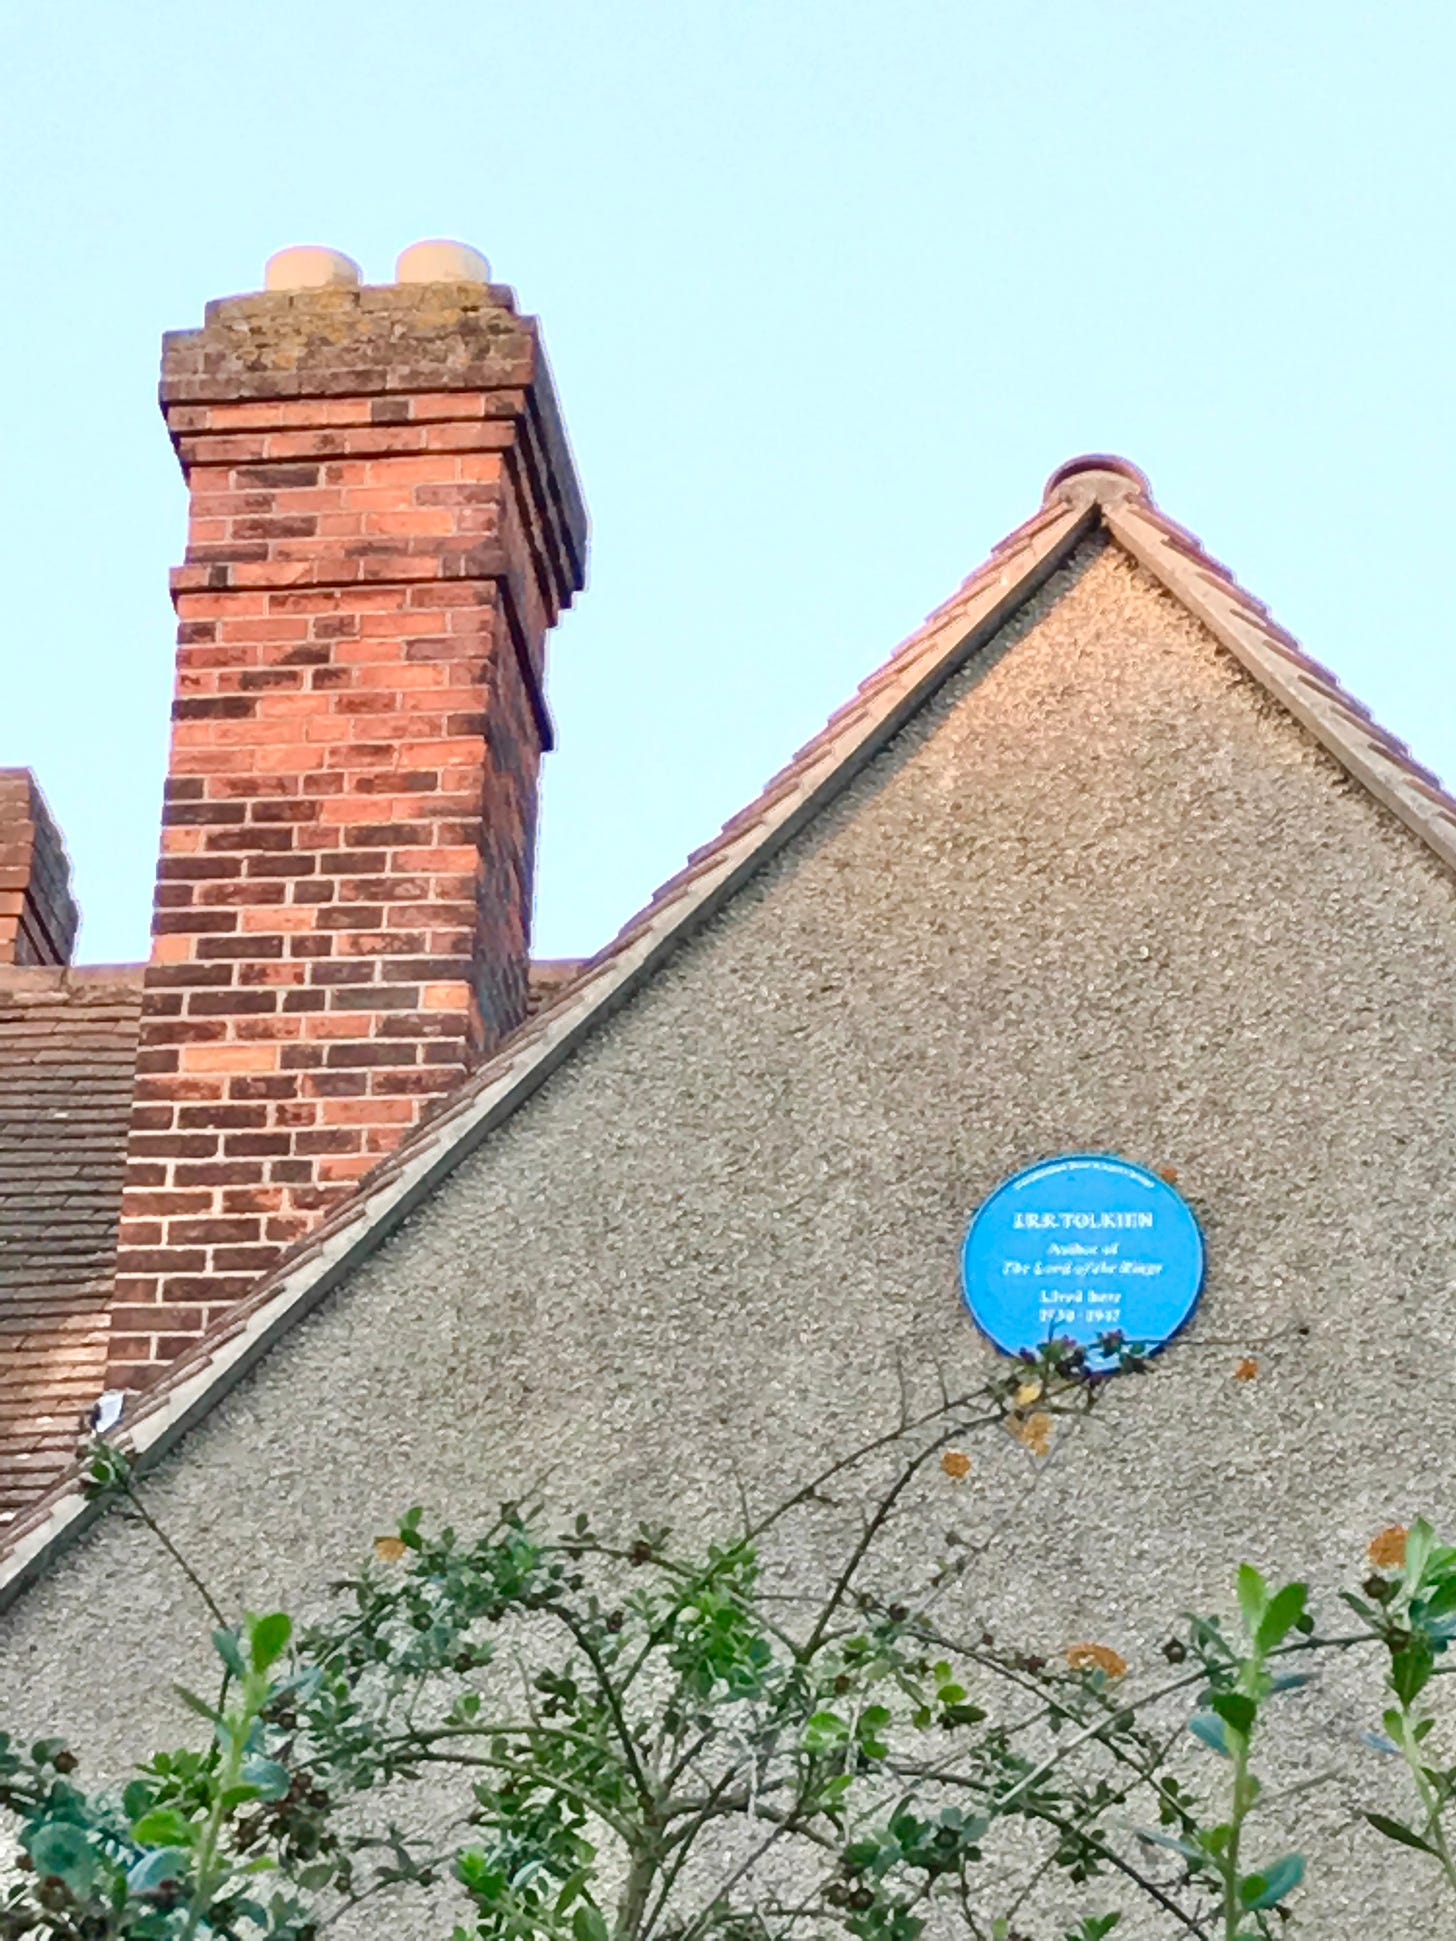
38 915
385 522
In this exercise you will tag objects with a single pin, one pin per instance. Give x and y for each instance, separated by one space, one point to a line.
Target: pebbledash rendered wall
1102 894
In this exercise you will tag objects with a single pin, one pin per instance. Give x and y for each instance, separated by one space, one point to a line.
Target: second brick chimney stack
38 914
385 522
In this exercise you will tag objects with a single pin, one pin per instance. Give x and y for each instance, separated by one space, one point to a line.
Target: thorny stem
1198 1677
353 1901
807 1493
787 1825
684 1845
622 1828
1099 1847
613 1701
877 1522
133 1498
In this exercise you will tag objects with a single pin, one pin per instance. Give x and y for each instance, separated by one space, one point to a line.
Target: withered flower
1386 1549
1096 1657
1033 1432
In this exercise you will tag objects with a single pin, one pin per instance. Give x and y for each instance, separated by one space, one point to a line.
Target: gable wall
1101 895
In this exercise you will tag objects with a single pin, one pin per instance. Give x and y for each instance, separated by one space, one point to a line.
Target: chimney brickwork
38 914
384 525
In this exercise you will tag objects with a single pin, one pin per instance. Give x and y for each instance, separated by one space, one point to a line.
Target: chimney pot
308 267
441 262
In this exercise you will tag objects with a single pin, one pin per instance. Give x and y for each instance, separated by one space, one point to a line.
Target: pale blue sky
829 287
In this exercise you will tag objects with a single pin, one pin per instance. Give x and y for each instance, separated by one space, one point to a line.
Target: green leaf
870 1729
153 1869
824 1729
1419 1541
268 1638
571 1887
587 1924
1268 1888
1185 1847
1210 1729
1367 1613
164 1826
1283 1612
225 1644
268 1779
62 1849
1410 1667
136 1798
1253 1597
1393 1830
1291 1681
196 1704
1237 1711
954 1715
1442 1600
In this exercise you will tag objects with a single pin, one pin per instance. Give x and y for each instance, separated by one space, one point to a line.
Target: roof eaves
1311 693
884 703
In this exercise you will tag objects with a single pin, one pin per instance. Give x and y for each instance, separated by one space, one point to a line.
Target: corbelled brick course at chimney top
385 522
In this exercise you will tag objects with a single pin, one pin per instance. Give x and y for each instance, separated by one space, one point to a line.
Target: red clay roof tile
67 1049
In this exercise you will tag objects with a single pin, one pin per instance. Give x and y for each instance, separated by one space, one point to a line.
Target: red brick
151 1316
335 1139
354 755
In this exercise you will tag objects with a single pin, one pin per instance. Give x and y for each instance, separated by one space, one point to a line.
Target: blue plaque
1079 1247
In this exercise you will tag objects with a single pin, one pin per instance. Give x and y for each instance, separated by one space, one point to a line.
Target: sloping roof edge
1344 726
1081 497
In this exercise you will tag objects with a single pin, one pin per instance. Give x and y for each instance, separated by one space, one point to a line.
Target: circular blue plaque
1079 1247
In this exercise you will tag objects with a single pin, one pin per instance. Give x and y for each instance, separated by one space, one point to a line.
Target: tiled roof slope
67 1047
547 978
1086 495
68 1040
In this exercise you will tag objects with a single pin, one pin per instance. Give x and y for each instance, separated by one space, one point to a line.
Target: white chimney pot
310 268
441 262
